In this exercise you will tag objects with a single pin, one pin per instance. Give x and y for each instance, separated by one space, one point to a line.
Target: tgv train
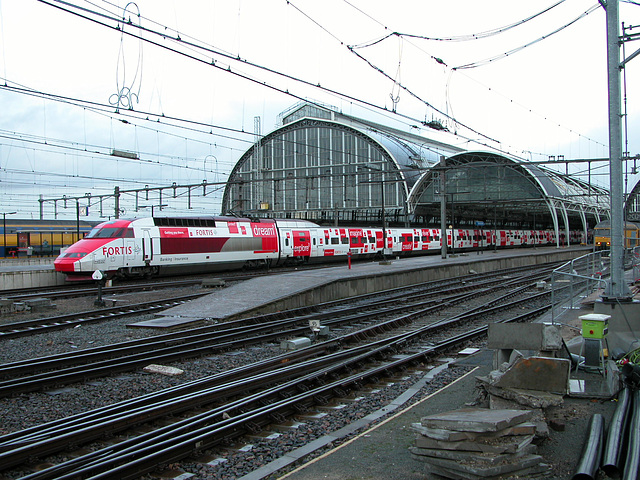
153 246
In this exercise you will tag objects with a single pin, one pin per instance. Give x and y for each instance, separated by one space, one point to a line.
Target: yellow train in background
22 238
602 235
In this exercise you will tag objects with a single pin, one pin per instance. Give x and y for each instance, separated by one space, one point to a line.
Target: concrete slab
537 373
468 457
476 419
167 322
524 336
509 444
527 428
532 399
163 370
537 471
483 471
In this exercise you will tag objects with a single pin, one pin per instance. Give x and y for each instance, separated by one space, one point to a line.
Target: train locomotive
151 246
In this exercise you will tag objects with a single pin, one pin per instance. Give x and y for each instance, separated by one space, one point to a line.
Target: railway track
426 301
72 320
245 400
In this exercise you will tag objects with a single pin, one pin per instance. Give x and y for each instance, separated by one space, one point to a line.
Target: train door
329 243
425 238
130 249
379 240
502 241
147 246
23 243
406 241
301 243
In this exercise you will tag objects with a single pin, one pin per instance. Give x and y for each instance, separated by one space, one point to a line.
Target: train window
416 239
372 239
106 232
128 233
345 240
74 255
436 238
335 241
425 238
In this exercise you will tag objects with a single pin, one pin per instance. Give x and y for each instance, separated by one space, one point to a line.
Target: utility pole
617 288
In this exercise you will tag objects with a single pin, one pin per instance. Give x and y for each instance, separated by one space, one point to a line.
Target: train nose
66 262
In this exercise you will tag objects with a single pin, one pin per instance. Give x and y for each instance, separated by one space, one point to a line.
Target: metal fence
584 277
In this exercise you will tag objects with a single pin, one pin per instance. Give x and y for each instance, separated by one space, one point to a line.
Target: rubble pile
479 443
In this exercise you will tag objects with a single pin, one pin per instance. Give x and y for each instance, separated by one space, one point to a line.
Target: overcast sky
194 101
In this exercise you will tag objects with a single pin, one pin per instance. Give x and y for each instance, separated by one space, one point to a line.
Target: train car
152 246
602 235
23 238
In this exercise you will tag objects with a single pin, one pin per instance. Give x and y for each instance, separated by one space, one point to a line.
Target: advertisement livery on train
153 246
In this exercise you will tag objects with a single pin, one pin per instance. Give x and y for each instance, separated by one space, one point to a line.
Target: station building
335 169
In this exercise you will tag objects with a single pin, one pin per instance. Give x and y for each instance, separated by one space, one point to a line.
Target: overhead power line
457 38
522 47
177 39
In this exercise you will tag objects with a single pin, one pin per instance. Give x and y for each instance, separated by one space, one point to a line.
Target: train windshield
107 232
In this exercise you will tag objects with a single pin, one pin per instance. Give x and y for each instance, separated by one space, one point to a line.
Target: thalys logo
262 231
117 251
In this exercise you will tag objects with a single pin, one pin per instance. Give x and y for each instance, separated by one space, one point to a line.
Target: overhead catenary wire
181 36
181 41
457 38
486 61
475 36
60 4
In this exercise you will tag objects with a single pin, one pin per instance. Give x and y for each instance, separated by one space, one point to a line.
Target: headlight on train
74 255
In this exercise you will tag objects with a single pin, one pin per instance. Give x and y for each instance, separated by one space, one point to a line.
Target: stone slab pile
478 443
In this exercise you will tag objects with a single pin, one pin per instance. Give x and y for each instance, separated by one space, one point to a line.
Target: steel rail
136 346
402 337
156 445
30 327
193 346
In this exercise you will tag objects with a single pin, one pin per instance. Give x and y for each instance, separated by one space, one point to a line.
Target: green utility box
595 325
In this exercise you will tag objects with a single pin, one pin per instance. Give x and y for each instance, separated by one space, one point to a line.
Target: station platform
29 273
272 293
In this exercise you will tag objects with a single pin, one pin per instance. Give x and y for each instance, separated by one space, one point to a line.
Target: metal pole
77 219
443 209
384 217
616 288
116 195
4 232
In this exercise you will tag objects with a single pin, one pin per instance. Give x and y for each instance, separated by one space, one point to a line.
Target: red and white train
153 246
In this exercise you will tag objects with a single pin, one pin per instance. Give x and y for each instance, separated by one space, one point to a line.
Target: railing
576 280
585 276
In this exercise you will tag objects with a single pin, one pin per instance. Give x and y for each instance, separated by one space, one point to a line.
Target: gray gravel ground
560 450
